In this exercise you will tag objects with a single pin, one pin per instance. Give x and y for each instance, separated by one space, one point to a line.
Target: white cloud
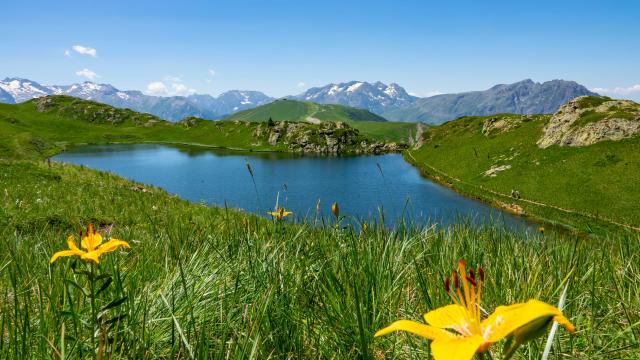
212 72
434 93
208 81
301 84
623 91
85 50
159 88
87 74
67 53
182 89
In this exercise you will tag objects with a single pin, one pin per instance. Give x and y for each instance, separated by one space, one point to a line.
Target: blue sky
284 47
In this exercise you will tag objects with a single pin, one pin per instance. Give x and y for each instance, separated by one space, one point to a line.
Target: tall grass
216 283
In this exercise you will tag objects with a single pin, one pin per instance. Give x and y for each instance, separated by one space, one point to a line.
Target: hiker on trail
515 194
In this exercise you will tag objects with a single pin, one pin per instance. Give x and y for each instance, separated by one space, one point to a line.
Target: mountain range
375 97
173 108
523 97
390 101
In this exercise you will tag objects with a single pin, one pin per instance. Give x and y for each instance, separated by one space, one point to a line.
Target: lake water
363 186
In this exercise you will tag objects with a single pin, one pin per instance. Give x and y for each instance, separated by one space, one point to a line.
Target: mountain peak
375 97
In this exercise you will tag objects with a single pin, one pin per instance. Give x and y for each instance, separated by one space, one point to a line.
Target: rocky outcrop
500 124
91 111
588 120
324 138
495 169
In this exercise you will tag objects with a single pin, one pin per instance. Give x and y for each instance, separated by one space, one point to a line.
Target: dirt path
537 203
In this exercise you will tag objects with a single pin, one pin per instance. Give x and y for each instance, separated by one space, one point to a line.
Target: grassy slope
600 179
240 287
368 123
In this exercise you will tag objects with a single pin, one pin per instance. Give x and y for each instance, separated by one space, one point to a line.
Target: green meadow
203 282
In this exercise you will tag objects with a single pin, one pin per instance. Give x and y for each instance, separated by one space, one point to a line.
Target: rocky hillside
578 167
90 111
324 138
588 120
524 97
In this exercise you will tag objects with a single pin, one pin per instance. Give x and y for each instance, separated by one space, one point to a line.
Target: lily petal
92 255
426 331
64 253
71 242
458 348
91 240
112 245
449 317
506 319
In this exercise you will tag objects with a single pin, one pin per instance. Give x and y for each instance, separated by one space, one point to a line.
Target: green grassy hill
293 110
302 111
549 160
44 126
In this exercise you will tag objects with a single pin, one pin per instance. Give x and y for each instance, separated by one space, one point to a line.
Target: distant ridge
173 108
389 101
523 97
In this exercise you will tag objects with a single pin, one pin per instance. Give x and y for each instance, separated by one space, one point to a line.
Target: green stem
93 311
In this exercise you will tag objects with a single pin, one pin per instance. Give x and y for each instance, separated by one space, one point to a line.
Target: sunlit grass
217 283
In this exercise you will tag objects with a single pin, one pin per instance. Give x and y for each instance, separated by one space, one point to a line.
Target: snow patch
354 87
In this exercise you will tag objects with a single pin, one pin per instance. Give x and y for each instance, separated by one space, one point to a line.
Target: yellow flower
335 210
92 243
470 334
280 213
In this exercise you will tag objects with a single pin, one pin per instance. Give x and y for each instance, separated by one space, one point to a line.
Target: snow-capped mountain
22 89
376 97
16 90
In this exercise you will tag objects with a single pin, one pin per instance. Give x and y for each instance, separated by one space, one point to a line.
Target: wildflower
280 213
335 210
92 243
470 333
541 229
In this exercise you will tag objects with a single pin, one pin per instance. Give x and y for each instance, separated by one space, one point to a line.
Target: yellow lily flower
280 213
92 243
458 332
335 209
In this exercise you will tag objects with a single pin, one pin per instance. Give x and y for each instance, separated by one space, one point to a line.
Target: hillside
524 97
46 125
589 184
292 110
366 122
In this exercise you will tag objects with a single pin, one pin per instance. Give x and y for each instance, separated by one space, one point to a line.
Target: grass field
207 282
597 180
